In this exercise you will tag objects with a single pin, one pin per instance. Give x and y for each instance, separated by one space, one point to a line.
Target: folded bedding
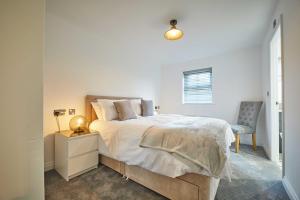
199 140
171 145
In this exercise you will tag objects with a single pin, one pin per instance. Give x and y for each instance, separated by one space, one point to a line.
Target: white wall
81 61
21 86
236 77
266 89
290 9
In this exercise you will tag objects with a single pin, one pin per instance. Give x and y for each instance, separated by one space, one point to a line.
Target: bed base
187 187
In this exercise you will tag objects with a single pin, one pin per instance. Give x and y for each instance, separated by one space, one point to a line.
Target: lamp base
80 131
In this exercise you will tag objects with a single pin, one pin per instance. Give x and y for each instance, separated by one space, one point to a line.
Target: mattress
120 140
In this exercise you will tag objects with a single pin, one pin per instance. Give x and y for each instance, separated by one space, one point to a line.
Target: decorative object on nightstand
75 155
78 124
57 113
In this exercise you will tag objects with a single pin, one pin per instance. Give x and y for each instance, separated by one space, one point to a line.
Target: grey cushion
248 114
125 110
240 129
147 107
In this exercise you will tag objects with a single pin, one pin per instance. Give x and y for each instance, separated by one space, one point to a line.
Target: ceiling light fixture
173 33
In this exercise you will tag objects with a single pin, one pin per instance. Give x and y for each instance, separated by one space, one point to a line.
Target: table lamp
78 124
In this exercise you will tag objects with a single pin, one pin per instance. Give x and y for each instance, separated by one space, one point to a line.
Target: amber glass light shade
78 124
173 34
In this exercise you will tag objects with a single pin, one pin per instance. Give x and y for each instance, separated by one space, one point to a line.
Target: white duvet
120 140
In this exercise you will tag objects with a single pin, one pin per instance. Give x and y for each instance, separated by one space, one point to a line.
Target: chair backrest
248 114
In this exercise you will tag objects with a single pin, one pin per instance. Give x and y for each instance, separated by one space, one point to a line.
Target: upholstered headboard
89 111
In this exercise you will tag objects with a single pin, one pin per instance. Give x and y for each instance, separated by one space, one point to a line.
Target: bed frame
188 187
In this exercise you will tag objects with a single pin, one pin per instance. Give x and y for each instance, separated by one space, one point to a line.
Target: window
197 86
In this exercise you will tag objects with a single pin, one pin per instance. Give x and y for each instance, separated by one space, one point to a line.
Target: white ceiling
136 27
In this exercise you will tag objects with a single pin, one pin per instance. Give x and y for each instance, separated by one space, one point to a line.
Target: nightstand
75 154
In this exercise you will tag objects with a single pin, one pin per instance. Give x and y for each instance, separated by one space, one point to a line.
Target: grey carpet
254 177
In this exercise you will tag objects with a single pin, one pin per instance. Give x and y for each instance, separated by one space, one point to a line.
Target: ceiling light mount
173 33
173 22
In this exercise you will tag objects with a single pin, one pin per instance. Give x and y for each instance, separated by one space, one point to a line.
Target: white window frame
195 71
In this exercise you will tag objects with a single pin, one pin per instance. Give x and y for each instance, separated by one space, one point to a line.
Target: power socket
59 112
72 111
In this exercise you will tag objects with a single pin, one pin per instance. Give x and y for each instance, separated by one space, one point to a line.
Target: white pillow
97 110
108 109
137 106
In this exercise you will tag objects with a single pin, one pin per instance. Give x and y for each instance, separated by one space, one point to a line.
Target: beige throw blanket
199 140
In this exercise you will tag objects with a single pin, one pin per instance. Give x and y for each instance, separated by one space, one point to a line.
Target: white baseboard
49 166
289 189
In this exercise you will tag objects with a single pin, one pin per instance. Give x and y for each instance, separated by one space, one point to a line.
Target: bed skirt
187 187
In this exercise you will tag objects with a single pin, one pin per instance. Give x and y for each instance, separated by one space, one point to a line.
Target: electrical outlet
59 112
72 111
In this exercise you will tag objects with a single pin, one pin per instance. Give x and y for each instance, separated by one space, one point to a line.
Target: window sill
199 103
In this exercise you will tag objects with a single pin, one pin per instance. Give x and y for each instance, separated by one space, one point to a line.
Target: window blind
197 86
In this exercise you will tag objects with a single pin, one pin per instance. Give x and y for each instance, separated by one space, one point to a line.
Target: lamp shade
78 124
173 33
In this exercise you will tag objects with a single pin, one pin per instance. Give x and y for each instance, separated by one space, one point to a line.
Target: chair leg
254 141
237 143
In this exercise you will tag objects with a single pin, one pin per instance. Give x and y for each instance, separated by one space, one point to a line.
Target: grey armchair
247 121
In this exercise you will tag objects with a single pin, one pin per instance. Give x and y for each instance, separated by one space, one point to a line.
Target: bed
157 170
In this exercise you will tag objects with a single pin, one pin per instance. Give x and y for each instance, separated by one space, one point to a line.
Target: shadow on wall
49 151
262 128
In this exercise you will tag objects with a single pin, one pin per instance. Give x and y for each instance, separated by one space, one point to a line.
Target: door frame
275 138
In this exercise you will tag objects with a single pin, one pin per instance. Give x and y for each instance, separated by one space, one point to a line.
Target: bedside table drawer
81 145
83 162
